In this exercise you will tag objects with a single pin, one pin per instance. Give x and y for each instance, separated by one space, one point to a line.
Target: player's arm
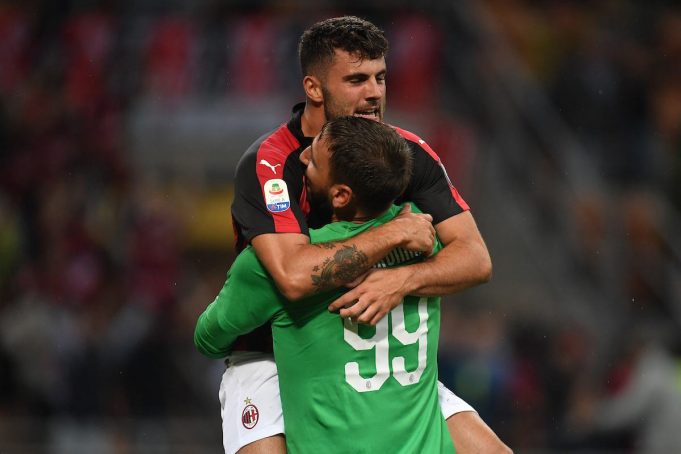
464 262
278 232
301 269
248 299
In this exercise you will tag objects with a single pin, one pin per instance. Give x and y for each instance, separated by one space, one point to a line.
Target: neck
362 219
353 215
313 119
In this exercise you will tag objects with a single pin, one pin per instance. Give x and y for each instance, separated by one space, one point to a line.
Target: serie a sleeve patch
276 195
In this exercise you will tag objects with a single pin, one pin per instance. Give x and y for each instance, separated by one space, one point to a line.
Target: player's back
355 388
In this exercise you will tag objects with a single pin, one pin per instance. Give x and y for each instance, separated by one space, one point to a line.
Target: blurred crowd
613 71
101 277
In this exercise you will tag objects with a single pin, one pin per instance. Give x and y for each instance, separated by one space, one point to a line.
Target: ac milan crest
249 417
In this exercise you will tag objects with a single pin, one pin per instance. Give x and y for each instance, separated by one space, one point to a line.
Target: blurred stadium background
121 123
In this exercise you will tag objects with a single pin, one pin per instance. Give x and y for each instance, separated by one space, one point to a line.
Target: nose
305 156
374 89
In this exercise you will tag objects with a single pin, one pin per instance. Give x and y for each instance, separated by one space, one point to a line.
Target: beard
321 209
334 109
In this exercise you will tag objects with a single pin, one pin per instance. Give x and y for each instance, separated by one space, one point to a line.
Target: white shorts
249 400
251 406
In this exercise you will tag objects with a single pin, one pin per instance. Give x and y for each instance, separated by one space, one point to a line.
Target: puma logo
273 167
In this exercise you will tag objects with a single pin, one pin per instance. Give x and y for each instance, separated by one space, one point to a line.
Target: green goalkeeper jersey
345 388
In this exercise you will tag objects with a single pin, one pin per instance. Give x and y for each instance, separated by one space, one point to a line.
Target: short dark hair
349 33
371 158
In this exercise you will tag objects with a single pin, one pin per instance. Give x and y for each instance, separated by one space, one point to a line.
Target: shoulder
273 147
416 143
279 144
410 136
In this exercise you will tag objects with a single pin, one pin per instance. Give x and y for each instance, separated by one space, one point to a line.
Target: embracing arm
248 299
301 269
211 337
464 262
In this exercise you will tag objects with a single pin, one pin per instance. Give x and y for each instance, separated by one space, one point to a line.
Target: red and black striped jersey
269 185
270 195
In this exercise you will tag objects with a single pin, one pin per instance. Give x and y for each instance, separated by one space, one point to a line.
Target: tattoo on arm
346 265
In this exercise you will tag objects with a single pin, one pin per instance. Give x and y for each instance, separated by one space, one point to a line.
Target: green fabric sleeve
248 299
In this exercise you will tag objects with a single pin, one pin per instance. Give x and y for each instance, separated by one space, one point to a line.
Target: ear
313 88
341 196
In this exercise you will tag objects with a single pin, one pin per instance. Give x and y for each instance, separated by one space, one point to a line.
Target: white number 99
379 342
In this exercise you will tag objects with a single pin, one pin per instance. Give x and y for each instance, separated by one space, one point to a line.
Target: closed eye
356 78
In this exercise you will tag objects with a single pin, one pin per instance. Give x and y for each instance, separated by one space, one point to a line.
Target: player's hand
358 280
416 228
370 301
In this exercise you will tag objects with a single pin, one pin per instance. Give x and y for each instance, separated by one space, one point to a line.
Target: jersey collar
296 128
